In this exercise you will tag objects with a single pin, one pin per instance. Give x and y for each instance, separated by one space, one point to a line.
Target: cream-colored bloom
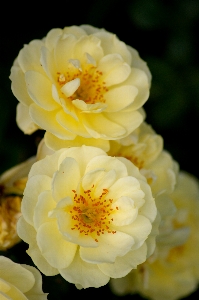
144 148
173 271
80 83
19 282
86 215
12 184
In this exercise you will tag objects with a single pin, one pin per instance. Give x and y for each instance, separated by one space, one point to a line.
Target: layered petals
79 82
19 281
84 212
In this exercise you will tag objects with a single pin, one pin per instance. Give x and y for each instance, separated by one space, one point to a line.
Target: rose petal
84 274
57 251
109 247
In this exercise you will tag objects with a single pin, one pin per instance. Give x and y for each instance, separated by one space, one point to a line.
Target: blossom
12 184
173 271
144 148
86 215
19 281
80 84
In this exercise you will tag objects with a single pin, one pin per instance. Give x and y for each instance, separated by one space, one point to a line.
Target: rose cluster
102 200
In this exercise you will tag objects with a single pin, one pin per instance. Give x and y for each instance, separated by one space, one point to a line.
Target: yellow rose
144 148
173 271
86 215
12 184
80 83
19 281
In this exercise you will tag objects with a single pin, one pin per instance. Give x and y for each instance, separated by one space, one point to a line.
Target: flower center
92 87
92 216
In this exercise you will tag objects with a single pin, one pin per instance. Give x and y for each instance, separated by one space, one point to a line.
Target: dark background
165 35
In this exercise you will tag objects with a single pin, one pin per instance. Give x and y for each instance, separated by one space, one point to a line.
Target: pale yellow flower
86 215
144 148
12 184
19 282
173 271
82 84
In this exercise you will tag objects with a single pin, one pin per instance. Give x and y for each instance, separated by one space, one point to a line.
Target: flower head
86 216
79 83
144 148
19 281
172 271
12 184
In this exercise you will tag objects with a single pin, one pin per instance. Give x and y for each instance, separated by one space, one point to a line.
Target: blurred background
166 37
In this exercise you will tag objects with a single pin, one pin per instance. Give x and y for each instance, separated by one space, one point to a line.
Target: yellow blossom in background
12 184
172 272
86 215
144 148
19 282
80 84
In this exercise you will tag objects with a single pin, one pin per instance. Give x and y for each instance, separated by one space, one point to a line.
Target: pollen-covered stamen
92 87
92 216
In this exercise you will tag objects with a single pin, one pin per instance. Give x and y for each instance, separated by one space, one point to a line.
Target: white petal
47 121
120 97
29 56
90 59
109 247
83 155
24 120
66 179
70 87
35 185
48 166
92 178
99 126
139 230
40 90
126 211
130 120
48 63
19 86
111 44
77 31
36 290
114 69
88 44
123 265
16 275
57 251
25 231
100 179
89 108
75 63
63 51
45 204
107 163
54 143
74 126
41 262
126 187
52 37
84 274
